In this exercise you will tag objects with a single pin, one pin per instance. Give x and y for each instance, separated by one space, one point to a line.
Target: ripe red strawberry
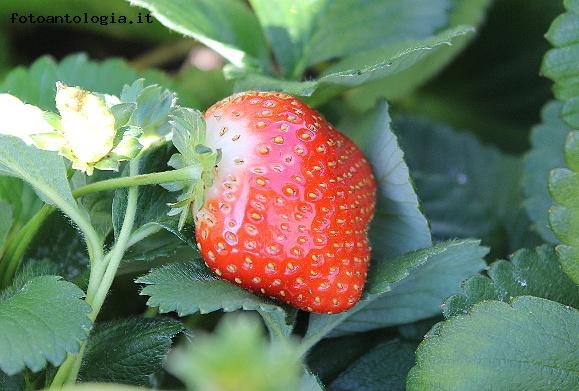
287 215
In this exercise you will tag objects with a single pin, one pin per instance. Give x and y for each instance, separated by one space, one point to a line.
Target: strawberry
288 212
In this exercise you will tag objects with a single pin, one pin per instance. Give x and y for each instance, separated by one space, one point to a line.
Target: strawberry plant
289 195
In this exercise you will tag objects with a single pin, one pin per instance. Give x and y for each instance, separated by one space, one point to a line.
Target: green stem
74 367
17 247
28 232
104 268
97 271
182 174
116 255
91 237
64 370
72 363
186 173
143 233
10 238
117 252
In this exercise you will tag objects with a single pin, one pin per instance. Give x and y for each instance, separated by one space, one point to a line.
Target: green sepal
189 138
153 107
122 113
128 145
107 164
177 161
53 120
52 141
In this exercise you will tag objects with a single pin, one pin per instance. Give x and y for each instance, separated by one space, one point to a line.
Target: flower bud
86 123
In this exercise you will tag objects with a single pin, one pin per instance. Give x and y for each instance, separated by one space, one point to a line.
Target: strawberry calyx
189 132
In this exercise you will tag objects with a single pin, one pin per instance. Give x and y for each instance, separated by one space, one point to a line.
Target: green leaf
43 321
377 62
36 84
288 26
237 357
62 245
493 89
6 59
398 225
303 33
548 140
383 368
462 12
332 356
191 81
372 25
18 203
529 273
416 331
128 351
530 344
559 62
385 277
354 71
564 215
226 26
43 170
33 268
385 273
159 247
310 382
421 293
188 288
449 173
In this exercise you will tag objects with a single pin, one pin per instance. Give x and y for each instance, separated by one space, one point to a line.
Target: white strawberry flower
92 131
20 119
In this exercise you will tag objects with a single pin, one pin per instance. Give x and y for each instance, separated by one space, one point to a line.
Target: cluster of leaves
511 325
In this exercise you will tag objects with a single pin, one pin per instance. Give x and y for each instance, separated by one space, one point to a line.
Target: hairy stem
97 272
143 233
182 174
63 371
27 233
92 238
16 248
18 245
114 260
